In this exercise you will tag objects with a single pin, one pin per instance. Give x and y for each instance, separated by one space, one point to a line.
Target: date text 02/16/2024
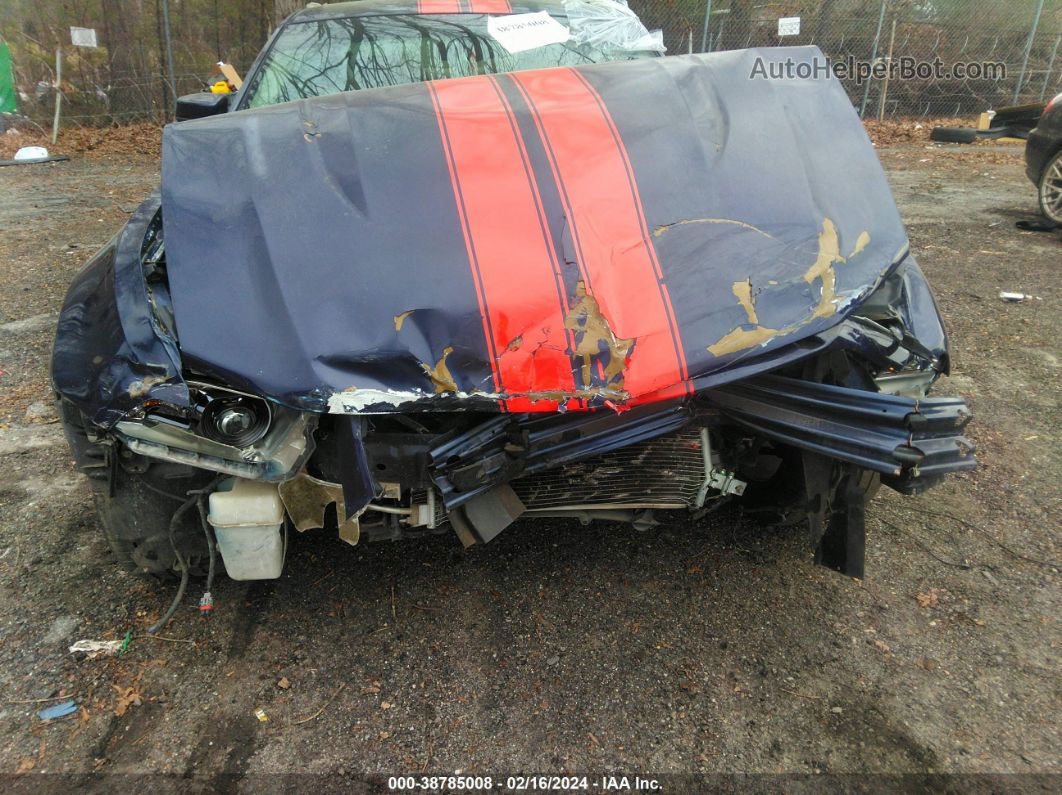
523 783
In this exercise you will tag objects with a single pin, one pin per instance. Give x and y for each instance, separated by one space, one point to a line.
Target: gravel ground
557 648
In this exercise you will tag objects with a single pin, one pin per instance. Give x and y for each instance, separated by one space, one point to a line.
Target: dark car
1043 160
441 266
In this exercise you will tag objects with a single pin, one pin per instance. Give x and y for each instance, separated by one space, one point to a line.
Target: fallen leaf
694 570
928 663
593 739
929 599
283 684
127 697
26 764
370 690
385 705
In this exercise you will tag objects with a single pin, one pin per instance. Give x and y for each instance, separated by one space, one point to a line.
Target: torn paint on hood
556 239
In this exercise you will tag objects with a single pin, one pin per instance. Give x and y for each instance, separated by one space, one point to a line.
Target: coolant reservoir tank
247 517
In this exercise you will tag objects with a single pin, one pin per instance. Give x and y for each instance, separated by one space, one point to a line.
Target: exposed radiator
420 497
666 472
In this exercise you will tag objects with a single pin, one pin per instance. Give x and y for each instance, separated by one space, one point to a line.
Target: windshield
310 59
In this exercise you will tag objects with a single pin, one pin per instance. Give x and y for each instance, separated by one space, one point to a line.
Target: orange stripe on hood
509 244
607 221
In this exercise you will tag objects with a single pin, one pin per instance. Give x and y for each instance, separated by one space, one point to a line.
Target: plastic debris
610 26
31 153
60 710
125 642
260 714
1014 298
97 648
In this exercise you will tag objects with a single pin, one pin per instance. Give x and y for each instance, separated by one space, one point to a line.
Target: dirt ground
716 648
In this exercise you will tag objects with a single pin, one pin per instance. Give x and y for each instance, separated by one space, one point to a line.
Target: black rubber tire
1051 214
136 498
136 519
953 135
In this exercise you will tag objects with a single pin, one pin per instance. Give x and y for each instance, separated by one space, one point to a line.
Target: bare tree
282 8
119 22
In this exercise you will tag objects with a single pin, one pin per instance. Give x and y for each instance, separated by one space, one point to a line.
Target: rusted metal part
596 343
440 373
821 272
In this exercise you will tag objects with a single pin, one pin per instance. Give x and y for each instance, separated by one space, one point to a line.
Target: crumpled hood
612 233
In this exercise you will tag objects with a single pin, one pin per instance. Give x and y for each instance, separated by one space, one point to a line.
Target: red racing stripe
438 7
490 6
488 333
464 7
509 243
607 221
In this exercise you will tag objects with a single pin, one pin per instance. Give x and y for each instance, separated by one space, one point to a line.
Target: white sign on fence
83 37
789 26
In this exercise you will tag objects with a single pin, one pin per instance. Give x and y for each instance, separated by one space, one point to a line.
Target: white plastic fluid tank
247 516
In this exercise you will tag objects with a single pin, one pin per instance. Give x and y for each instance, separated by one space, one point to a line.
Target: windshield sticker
520 32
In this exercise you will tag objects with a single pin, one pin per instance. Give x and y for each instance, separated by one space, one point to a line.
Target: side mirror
196 106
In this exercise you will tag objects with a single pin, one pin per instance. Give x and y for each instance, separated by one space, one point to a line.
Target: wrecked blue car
441 266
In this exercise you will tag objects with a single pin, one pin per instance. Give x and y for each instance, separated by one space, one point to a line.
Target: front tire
1050 189
136 498
135 519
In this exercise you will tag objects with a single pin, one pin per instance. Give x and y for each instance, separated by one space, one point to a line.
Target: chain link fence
123 99
1013 47
94 94
1023 36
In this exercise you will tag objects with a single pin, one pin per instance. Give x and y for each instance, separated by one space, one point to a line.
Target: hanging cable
195 497
181 563
206 601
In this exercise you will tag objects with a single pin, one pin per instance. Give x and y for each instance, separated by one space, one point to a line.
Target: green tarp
7 81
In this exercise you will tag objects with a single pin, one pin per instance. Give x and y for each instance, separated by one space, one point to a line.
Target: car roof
371 8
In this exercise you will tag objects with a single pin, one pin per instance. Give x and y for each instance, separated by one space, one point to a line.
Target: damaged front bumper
734 315
815 425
